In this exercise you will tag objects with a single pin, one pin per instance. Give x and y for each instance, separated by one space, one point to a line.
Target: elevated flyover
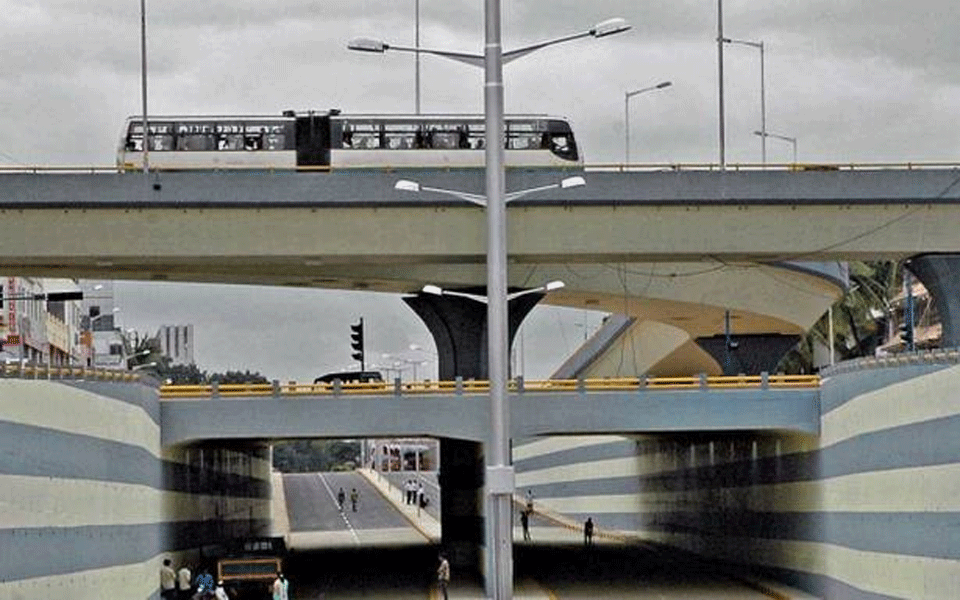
461 410
675 248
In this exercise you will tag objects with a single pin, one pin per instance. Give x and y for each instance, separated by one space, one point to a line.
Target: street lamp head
663 84
760 133
368 45
554 285
432 289
571 182
406 185
610 27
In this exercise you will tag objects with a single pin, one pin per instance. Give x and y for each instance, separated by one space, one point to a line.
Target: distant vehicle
351 377
251 565
321 141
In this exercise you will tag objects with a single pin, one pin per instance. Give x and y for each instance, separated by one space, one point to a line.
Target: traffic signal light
356 342
906 334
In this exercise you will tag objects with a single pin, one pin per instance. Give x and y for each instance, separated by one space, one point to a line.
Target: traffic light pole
356 343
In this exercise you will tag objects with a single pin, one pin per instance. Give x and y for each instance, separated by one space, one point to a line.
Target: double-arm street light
786 138
407 185
608 27
499 474
626 114
763 94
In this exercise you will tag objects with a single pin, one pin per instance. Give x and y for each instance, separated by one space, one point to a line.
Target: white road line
343 515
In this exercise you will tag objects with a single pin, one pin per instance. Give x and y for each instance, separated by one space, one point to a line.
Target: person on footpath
220 593
588 532
184 585
525 523
443 575
354 498
341 496
281 587
168 581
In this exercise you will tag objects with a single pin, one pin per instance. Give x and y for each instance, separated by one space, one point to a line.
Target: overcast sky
853 81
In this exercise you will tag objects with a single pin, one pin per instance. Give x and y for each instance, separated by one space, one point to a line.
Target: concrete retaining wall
89 501
869 509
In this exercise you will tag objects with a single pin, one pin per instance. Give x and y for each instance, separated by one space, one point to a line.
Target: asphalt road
312 505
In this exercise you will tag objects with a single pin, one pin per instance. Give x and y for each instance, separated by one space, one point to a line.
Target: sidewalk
419 519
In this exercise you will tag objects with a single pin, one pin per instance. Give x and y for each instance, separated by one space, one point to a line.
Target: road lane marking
343 515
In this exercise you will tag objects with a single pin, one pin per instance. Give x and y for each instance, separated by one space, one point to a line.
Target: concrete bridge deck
464 414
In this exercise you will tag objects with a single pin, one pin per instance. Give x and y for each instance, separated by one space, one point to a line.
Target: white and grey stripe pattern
89 502
869 510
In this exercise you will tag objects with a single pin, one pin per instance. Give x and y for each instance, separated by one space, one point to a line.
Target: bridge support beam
940 274
459 328
748 354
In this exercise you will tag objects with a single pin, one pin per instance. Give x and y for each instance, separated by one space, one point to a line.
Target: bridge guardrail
594 167
20 370
920 357
463 387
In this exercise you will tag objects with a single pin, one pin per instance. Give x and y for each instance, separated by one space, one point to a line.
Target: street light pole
499 471
723 159
626 115
416 41
786 138
143 85
763 94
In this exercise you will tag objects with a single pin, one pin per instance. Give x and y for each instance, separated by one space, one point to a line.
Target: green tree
859 317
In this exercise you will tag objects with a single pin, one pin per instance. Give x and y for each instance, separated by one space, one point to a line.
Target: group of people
180 585
413 492
354 498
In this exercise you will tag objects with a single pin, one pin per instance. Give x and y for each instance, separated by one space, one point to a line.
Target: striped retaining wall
89 501
869 509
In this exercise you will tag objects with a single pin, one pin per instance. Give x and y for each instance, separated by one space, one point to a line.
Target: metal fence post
703 381
214 389
764 380
459 385
275 391
397 387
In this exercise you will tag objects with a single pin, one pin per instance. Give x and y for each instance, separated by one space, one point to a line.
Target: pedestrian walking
220 593
168 581
354 498
184 586
525 523
341 496
588 532
420 501
443 575
276 589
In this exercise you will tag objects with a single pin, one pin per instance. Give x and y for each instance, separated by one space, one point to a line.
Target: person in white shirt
168 581
220 593
184 588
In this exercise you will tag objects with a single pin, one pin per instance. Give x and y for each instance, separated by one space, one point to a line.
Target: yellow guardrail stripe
478 387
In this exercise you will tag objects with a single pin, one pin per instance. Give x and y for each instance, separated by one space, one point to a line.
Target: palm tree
859 317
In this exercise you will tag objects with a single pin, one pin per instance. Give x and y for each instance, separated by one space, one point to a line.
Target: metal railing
947 356
467 387
677 167
21 370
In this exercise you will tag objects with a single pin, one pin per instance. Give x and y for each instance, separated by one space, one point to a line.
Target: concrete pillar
459 329
750 354
940 274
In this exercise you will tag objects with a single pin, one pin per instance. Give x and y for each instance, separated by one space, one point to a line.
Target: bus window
562 142
196 142
399 136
